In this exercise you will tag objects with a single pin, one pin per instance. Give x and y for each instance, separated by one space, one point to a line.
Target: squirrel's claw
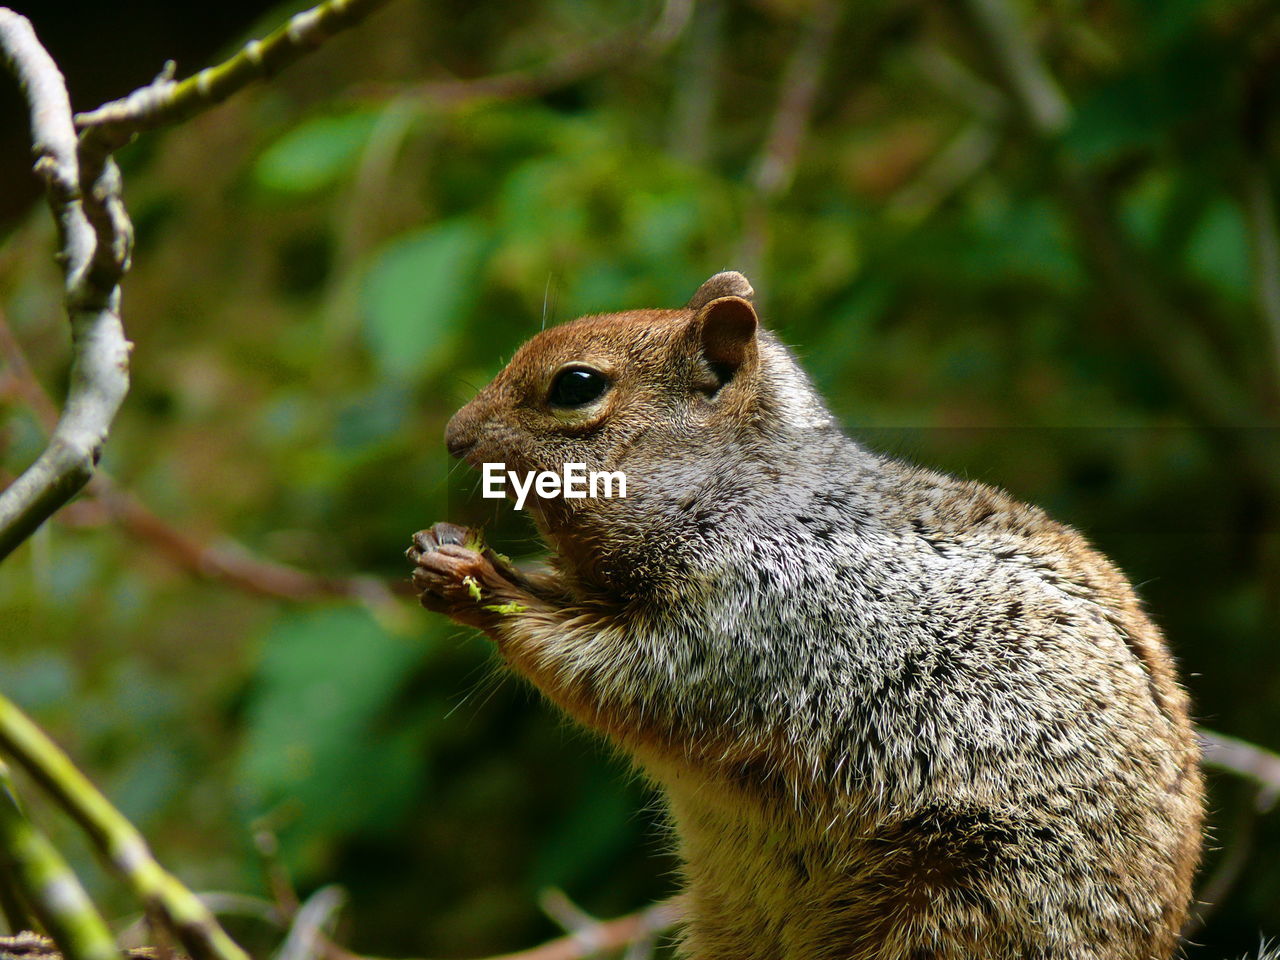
455 575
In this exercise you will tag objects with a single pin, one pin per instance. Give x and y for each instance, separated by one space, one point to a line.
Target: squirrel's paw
456 575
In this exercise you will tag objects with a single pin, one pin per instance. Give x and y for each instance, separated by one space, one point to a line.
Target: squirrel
895 715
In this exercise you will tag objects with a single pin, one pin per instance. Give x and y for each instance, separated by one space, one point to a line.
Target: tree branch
1255 764
234 566
1260 214
1042 102
49 886
115 838
1214 396
580 61
590 941
95 235
695 97
1215 888
311 923
164 101
798 91
94 240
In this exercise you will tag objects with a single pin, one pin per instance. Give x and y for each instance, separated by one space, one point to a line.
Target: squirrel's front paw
455 575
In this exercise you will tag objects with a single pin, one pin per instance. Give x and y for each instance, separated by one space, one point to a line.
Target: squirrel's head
638 390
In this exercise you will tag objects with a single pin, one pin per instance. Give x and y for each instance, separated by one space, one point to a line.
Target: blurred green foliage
330 264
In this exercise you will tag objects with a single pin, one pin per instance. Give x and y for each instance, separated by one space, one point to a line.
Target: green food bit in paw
475 541
473 588
506 607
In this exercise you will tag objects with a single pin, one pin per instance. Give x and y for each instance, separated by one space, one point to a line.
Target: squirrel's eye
576 387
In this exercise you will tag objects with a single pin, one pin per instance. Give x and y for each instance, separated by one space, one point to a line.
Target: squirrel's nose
458 435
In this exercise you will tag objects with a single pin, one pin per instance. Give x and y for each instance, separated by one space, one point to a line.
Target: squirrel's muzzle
459 435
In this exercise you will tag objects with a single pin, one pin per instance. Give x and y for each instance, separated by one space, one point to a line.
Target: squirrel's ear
729 283
727 331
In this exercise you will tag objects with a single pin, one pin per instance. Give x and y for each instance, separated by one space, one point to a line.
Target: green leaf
1218 252
315 747
1147 100
417 295
315 154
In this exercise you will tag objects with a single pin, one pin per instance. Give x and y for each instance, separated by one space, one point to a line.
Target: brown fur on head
671 378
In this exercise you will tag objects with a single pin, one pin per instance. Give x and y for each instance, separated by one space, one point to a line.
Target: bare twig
580 62
164 101
959 161
49 886
968 152
94 240
221 903
694 106
308 937
1045 107
15 910
1260 214
1244 759
606 935
953 79
234 566
96 237
115 838
283 894
1226 872
797 94
1215 396
566 914
776 165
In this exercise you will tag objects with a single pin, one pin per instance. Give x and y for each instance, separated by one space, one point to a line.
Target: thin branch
566 914
1041 100
15 910
221 903
607 935
959 161
49 886
1260 214
592 940
164 101
776 165
94 239
798 91
115 838
312 924
1255 764
953 79
1226 872
234 565
279 882
1214 396
579 62
698 90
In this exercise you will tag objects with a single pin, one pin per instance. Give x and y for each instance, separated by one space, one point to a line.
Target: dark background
329 265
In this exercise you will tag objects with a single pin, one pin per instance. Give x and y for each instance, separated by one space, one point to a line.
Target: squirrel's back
978 740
